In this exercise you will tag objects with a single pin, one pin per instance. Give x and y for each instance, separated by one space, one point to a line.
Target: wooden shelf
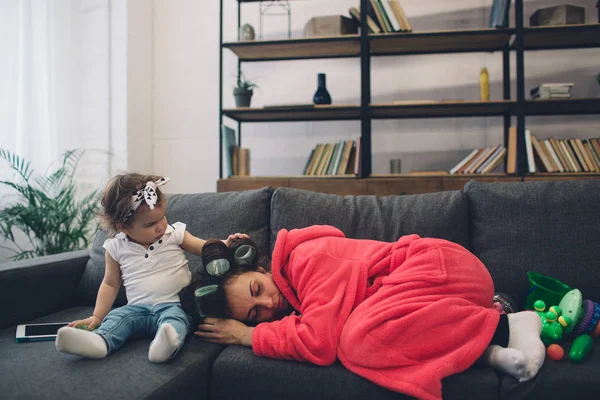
562 37
451 41
296 49
375 185
562 107
442 109
309 113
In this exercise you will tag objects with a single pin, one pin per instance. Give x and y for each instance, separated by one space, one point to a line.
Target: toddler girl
147 256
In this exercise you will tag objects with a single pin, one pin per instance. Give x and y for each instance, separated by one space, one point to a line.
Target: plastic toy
504 304
582 345
553 322
573 317
555 352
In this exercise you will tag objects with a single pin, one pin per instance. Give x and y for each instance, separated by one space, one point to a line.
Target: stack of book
552 91
562 155
341 158
481 161
383 16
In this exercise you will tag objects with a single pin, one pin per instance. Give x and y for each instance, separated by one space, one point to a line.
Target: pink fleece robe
403 315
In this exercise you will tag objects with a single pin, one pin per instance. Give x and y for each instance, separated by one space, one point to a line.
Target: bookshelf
365 46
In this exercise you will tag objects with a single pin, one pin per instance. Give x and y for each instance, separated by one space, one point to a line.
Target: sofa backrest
208 216
442 214
548 227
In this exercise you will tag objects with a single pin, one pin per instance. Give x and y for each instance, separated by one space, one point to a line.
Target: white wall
186 90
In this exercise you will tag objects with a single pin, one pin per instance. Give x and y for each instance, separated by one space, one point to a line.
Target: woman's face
253 297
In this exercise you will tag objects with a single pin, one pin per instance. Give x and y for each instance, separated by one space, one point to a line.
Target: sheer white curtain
55 80
55 85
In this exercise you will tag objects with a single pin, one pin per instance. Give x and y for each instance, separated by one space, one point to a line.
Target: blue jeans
142 321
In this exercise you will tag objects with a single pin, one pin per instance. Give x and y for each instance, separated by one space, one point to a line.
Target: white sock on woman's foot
79 342
525 329
165 343
507 360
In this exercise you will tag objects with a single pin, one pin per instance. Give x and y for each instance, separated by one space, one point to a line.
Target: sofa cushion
549 227
442 215
238 374
207 215
37 371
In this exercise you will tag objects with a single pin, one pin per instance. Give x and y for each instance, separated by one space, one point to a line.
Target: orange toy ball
555 352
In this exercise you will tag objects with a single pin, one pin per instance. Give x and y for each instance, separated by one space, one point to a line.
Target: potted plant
243 91
47 210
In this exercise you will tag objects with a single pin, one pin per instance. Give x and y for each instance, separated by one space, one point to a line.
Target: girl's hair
117 199
216 304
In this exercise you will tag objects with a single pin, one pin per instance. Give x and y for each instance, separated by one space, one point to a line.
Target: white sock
507 360
79 342
165 343
525 329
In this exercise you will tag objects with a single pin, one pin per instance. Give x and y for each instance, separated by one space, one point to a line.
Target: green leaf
47 208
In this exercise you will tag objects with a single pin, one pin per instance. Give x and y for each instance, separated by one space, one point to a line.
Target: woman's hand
225 331
235 236
91 323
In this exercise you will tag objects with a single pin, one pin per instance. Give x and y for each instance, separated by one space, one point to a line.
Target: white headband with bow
147 194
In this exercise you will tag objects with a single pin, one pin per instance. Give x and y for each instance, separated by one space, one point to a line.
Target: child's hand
225 331
235 236
91 323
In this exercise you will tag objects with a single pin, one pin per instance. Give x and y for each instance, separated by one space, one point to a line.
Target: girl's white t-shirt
154 275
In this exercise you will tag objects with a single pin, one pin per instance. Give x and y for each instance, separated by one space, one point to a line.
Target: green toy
572 317
553 322
581 346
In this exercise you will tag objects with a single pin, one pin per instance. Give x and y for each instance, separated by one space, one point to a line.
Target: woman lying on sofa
403 315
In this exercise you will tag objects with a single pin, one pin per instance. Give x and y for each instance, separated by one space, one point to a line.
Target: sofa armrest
33 288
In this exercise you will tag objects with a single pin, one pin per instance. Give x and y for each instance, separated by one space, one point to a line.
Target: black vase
322 95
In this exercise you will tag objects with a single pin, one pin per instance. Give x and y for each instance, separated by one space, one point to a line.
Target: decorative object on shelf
564 14
395 166
274 8
484 85
330 25
322 95
552 91
243 91
49 209
247 33
499 14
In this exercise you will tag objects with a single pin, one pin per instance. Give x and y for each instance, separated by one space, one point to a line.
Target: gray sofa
549 227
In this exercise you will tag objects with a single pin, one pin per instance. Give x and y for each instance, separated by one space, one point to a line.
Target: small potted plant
243 91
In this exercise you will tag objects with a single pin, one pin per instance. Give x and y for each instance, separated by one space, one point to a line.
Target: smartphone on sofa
38 332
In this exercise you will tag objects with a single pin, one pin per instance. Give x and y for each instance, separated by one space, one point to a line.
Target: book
499 14
379 15
244 161
355 13
228 140
400 14
529 150
388 16
462 162
495 160
345 157
511 161
556 164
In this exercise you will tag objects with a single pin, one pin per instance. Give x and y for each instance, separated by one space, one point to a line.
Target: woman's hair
117 199
216 304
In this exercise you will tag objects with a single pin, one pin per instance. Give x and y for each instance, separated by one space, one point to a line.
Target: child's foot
79 342
507 360
525 328
165 343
